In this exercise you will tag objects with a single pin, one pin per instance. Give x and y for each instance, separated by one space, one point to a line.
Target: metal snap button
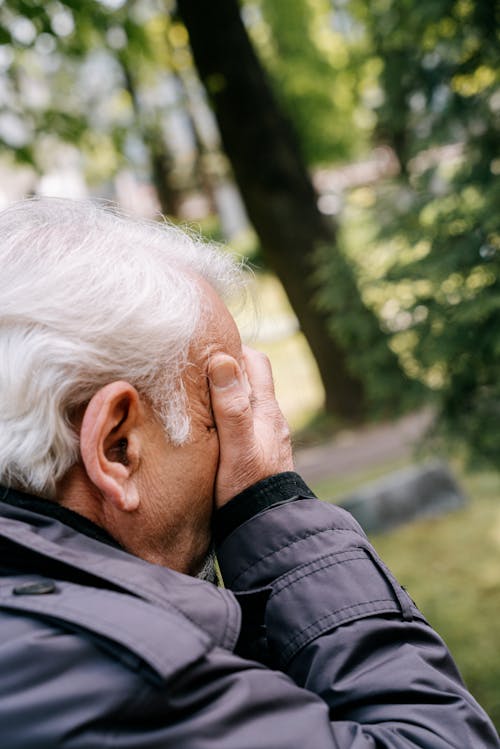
39 588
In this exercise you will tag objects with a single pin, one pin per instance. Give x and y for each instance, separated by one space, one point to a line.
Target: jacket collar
58 512
76 545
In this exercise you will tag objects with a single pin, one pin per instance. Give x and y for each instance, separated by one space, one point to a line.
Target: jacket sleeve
336 621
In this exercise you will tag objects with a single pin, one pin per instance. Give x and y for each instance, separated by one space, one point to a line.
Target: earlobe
109 444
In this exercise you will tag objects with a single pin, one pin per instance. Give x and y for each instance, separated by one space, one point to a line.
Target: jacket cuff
277 489
319 572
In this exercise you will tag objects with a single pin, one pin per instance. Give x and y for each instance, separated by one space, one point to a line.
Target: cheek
209 462
201 467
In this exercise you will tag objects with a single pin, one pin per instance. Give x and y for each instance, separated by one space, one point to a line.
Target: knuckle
260 359
238 410
264 358
285 432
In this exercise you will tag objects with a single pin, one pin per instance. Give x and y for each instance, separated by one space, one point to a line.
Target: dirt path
354 451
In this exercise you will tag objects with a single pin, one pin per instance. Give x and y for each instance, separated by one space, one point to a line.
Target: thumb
230 401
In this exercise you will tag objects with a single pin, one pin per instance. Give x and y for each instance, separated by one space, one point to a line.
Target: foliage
82 73
436 57
319 72
440 219
49 45
48 94
455 306
360 333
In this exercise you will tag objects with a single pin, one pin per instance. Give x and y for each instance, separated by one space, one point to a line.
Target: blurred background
350 150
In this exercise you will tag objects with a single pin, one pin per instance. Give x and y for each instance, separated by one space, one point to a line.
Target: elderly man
135 433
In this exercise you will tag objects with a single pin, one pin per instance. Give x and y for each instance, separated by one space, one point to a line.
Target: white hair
87 297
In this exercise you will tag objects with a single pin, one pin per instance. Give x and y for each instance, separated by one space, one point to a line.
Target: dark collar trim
58 512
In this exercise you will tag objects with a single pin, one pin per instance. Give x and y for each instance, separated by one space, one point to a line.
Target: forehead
217 329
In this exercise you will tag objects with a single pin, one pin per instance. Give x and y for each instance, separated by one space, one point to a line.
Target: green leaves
5 36
60 58
318 75
453 208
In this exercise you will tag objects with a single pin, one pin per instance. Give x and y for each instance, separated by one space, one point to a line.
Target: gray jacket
312 645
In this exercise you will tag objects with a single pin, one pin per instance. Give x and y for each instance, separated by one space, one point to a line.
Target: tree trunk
160 160
161 165
273 180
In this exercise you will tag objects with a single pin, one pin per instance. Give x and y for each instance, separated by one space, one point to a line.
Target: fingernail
223 375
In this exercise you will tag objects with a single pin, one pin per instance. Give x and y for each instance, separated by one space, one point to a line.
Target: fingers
254 440
271 428
260 376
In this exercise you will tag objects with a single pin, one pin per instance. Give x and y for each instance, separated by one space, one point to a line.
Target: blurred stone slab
419 491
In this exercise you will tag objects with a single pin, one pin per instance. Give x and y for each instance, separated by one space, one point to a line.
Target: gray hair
87 297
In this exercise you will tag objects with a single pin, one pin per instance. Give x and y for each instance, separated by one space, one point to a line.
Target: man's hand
254 437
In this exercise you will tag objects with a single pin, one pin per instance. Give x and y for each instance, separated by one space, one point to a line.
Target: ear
110 443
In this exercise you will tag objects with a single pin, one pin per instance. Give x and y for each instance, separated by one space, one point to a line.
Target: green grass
451 567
